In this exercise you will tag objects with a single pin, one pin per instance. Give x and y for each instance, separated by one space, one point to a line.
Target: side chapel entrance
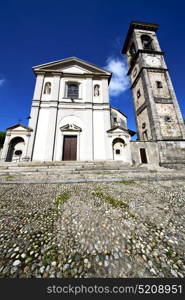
12 148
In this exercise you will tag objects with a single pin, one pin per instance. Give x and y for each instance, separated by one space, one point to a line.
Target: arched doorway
118 145
13 149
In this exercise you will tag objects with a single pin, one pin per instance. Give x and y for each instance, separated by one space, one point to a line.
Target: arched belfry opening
147 42
13 149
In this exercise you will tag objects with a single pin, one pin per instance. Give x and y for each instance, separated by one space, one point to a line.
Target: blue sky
36 32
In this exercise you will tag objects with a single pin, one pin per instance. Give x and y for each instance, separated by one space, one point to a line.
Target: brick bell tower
157 112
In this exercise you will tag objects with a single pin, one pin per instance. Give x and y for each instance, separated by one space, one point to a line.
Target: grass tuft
127 182
62 198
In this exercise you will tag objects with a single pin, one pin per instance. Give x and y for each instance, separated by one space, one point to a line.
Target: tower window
115 120
168 119
145 135
147 42
144 125
72 90
138 94
132 50
159 84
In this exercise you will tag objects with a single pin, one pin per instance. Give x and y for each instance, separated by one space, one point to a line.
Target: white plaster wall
41 135
99 135
121 119
5 146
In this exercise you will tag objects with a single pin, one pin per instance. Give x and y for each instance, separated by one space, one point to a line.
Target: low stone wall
172 153
151 150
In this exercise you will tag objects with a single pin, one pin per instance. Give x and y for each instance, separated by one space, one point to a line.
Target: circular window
18 152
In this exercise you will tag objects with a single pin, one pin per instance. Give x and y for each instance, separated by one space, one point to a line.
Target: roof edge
119 111
72 58
17 125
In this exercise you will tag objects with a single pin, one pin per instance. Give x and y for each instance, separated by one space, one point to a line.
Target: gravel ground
121 229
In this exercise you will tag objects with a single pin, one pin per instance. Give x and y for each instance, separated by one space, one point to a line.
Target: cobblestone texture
120 229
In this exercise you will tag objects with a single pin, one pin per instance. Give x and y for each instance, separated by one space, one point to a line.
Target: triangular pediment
119 129
70 127
19 127
72 65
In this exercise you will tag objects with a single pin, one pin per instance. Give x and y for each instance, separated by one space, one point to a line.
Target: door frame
77 133
65 139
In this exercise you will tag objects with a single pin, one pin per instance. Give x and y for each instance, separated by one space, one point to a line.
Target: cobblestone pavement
120 229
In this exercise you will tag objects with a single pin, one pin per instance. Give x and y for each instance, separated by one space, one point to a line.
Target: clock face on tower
153 61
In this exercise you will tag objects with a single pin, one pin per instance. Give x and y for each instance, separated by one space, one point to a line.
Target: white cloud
2 81
119 81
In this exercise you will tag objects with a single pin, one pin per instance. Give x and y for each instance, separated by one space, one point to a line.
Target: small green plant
126 182
114 202
109 199
9 177
62 198
99 194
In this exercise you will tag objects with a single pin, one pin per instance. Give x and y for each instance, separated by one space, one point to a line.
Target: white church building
71 117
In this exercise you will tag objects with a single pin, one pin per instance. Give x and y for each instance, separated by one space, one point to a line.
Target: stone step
68 171
79 167
64 163
53 179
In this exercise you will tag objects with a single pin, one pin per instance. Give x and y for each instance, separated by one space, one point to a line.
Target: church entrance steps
84 172
77 171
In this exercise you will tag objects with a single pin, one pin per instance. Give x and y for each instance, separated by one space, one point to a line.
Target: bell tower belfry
157 112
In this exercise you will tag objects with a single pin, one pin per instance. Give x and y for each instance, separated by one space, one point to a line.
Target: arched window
147 42
47 88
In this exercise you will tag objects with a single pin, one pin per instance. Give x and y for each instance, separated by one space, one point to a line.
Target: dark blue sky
36 32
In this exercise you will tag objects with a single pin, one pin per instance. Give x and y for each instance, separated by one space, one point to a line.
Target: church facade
71 117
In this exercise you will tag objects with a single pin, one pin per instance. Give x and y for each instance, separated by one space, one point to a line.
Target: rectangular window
115 120
159 84
138 94
72 90
117 151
